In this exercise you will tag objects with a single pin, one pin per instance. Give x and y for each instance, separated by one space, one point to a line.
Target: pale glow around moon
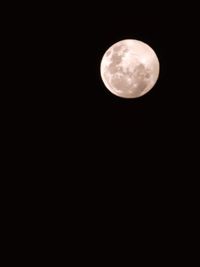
129 68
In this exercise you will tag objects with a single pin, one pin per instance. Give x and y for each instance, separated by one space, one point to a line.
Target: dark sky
94 161
80 104
72 108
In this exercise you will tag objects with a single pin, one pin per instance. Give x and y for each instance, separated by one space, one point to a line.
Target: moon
129 68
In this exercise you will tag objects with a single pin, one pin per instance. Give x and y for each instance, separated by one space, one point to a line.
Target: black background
72 120
84 160
123 132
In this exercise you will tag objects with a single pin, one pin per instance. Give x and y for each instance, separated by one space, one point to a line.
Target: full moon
129 68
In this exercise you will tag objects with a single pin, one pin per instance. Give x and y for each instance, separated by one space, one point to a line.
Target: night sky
82 112
90 168
73 116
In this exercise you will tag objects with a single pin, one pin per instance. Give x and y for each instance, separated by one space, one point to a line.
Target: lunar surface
129 68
